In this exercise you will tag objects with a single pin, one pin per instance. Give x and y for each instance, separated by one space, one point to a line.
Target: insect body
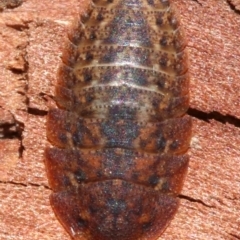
120 135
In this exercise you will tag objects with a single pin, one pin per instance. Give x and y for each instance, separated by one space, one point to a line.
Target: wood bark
32 39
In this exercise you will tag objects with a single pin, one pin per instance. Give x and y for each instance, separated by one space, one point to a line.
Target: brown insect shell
114 174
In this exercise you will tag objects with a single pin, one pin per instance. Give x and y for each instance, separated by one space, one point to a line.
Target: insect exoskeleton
120 135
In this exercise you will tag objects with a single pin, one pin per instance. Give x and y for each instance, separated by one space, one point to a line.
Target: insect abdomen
120 138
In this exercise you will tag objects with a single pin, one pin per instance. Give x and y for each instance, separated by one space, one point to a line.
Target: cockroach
120 134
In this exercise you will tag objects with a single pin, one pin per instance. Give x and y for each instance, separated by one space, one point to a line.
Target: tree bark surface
32 39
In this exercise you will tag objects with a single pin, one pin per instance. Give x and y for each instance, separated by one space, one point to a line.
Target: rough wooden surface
31 41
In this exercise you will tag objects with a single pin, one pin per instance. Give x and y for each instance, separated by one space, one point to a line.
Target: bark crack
13 129
181 196
217 116
10 4
197 2
25 184
235 8
37 112
234 235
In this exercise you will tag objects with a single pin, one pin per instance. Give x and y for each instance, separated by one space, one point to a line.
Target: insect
120 134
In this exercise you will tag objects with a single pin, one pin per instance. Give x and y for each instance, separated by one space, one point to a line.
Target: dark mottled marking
80 176
153 180
120 137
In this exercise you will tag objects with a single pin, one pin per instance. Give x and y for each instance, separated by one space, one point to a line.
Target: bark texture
32 37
